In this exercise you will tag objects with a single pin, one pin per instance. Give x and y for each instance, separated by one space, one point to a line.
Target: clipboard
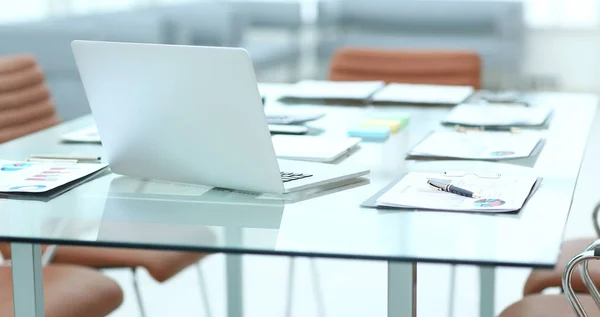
549 114
494 127
533 154
371 202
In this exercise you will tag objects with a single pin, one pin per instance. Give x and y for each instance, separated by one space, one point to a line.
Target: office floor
348 288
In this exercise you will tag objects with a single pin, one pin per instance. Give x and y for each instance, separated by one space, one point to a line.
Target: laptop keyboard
288 177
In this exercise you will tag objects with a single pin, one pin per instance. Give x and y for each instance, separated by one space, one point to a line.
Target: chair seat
161 265
69 291
549 306
541 279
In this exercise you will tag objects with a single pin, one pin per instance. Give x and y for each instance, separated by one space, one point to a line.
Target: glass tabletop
114 210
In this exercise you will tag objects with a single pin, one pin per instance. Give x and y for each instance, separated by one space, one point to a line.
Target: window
557 13
562 13
538 13
19 10
85 6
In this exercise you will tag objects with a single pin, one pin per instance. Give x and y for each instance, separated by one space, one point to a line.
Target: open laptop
189 114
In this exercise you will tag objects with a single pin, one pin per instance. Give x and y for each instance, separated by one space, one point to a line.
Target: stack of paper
502 193
336 90
423 94
497 115
43 178
477 145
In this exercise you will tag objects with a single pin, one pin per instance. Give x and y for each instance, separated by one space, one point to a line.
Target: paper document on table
42 177
497 115
498 193
478 145
423 94
86 135
338 90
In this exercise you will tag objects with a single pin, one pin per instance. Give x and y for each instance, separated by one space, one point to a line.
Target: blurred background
528 45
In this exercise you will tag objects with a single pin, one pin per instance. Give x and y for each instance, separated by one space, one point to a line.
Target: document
478 145
423 94
491 115
337 90
498 193
42 177
86 135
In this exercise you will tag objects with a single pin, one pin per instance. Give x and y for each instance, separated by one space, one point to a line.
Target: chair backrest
25 104
443 67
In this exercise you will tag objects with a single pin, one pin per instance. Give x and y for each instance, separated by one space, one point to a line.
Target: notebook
491 115
477 145
313 148
333 90
423 94
498 193
43 178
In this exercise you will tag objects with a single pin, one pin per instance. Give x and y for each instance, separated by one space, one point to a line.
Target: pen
442 186
64 157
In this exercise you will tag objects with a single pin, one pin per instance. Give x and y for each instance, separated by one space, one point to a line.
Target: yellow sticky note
394 125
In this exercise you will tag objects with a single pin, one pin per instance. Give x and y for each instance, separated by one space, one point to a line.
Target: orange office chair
69 291
541 279
570 303
26 107
549 306
441 67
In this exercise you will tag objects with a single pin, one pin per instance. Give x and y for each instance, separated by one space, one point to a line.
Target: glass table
326 222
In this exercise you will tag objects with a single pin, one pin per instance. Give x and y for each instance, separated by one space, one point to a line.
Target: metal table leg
235 301
402 289
28 292
487 291
233 272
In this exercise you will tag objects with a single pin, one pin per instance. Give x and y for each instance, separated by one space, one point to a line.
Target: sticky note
374 133
394 125
401 118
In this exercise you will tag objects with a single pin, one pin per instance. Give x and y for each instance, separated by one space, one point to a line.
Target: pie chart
14 167
488 202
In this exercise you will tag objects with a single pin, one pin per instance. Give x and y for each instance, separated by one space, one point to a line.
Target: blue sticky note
373 133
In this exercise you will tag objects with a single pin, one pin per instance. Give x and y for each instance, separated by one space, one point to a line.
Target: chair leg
49 254
138 294
203 290
290 293
316 279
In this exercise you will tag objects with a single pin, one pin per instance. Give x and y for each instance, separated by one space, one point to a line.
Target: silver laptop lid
179 113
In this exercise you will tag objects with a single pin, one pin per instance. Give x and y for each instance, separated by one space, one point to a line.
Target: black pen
442 186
